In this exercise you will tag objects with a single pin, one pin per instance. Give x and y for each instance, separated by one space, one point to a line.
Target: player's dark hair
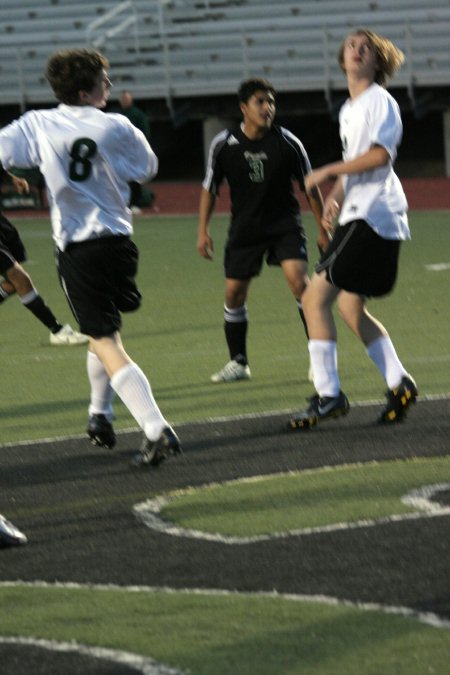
249 87
70 71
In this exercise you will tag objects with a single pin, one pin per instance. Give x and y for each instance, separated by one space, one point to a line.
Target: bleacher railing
161 50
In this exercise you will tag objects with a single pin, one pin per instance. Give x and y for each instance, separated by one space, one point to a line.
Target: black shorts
359 261
11 246
98 278
243 261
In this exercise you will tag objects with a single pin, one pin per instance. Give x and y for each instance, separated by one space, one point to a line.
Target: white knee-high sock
102 394
133 387
323 355
383 354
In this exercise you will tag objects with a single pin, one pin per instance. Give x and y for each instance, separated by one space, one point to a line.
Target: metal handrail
118 28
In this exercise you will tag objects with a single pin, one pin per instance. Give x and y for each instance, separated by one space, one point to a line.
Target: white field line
429 618
148 512
208 420
438 267
144 665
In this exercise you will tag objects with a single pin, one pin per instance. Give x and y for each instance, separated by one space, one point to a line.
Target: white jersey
87 158
376 196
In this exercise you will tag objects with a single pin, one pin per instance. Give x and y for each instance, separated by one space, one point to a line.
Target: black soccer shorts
11 246
359 261
98 278
243 261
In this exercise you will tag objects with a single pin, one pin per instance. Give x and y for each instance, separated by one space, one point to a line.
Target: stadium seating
175 48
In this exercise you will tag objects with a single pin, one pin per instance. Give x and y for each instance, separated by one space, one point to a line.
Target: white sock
28 297
236 315
133 387
323 355
383 354
102 394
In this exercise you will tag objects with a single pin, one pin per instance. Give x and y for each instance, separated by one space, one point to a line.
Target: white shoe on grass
231 372
67 337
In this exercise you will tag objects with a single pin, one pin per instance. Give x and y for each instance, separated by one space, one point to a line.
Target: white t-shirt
87 158
373 118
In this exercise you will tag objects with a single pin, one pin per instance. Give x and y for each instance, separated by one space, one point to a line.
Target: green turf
229 635
304 499
177 336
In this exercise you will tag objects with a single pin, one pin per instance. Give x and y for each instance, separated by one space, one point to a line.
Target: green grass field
306 499
177 335
177 338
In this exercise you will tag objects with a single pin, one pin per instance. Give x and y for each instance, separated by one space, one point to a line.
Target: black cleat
10 535
101 432
398 401
320 409
154 452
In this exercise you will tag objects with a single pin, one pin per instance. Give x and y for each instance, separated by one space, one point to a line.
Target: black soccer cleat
398 401
10 535
101 432
152 453
320 409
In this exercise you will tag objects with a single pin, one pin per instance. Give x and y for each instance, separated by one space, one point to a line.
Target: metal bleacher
178 48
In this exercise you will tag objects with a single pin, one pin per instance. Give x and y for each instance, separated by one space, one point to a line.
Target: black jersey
260 175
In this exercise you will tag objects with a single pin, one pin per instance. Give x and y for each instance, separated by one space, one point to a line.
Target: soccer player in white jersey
259 160
362 259
87 158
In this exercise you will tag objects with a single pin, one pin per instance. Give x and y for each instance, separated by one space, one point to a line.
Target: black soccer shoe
152 453
320 409
10 535
101 432
398 401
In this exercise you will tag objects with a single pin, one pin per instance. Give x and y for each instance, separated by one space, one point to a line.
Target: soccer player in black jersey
259 160
17 281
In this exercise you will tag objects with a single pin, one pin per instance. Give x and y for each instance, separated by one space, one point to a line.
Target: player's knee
18 278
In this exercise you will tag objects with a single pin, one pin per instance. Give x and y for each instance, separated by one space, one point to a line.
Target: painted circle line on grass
428 618
144 665
148 512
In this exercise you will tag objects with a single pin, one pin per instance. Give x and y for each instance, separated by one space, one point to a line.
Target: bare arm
332 205
205 245
315 202
372 159
19 184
